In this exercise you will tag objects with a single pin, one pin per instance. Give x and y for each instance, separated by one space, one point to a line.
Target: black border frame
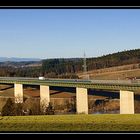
70 3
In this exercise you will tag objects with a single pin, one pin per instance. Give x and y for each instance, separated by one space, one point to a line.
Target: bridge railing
129 81
116 81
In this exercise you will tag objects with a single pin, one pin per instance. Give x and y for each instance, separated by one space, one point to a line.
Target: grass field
71 123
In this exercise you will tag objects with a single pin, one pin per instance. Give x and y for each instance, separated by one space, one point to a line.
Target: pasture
71 123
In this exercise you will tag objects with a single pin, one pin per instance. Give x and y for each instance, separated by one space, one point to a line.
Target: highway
95 84
71 80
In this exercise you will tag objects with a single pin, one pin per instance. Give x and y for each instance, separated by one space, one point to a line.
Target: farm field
71 123
8 91
114 73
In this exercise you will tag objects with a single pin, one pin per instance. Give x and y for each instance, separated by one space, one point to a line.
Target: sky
67 33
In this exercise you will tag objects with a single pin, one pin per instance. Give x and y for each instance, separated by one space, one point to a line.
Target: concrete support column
82 100
18 91
126 102
44 96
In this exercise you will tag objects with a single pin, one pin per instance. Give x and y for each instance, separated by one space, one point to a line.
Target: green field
70 123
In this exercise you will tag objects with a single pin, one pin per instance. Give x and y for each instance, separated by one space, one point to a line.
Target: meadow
71 123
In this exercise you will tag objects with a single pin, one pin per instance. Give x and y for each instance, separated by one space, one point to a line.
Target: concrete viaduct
126 88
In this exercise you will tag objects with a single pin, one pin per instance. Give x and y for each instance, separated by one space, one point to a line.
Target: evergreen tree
8 108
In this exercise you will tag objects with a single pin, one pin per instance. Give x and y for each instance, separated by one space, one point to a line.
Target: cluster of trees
68 68
18 109
61 68
8 71
32 107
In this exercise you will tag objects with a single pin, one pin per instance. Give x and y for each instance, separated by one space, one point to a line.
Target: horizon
39 59
67 33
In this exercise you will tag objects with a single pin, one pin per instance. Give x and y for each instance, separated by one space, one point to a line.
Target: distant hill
20 64
16 59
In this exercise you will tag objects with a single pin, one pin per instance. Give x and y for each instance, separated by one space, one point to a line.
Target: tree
49 110
8 108
17 111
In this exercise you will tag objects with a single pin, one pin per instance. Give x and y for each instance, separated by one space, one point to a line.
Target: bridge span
126 88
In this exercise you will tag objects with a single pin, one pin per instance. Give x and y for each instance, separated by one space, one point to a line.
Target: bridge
127 89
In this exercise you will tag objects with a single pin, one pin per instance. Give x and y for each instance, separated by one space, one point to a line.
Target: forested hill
115 59
64 66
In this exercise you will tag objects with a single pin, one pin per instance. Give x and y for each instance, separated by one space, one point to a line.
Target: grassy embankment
69 123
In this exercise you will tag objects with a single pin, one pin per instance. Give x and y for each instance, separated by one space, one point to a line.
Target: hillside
119 72
57 67
72 67
115 59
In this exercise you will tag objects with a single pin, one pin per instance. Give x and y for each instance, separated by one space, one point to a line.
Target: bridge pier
126 102
18 92
82 100
44 97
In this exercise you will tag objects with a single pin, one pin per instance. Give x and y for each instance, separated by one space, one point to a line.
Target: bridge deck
131 85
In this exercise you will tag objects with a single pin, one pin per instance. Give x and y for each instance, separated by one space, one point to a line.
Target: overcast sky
67 33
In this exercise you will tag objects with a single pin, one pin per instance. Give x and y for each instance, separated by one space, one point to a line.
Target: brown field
8 91
60 97
119 72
